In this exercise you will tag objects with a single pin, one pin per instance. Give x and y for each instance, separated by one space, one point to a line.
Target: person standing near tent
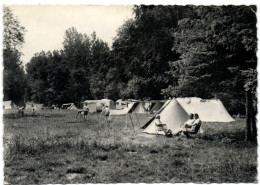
106 113
85 111
162 126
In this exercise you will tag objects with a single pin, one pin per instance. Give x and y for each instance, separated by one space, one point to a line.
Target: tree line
164 51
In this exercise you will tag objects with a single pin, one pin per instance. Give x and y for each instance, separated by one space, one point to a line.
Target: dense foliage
13 74
204 51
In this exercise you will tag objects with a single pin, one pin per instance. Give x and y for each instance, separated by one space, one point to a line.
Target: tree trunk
254 129
248 115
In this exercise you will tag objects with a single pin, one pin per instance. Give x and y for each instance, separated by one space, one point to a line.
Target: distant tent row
176 112
140 107
33 106
8 105
96 105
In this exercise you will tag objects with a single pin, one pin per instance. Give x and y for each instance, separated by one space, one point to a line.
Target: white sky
46 24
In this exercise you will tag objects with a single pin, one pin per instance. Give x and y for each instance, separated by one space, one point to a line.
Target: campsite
62 149
129 94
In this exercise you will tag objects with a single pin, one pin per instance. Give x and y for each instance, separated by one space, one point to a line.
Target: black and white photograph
130 93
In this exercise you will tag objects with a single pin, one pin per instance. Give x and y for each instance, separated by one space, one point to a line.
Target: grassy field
58 148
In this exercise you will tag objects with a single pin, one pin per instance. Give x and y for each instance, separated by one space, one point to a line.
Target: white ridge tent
171 114
120 104
208 110
73 107
106 102
7 105
123 111
32 105
92 105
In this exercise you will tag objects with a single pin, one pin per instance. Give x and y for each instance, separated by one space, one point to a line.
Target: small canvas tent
66 105
128 109
140 108
73 107
171 114
33 106
156 106
208 110
92 105
7 105
120 104
69 106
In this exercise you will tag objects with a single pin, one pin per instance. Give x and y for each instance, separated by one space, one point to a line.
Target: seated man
162 126
187 124
194 127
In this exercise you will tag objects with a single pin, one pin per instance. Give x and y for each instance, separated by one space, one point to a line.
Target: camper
120 104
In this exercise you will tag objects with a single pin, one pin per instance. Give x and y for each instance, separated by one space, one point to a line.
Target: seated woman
187 124
162 126
194 127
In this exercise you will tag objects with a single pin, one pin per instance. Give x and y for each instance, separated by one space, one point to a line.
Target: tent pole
137 119
126 120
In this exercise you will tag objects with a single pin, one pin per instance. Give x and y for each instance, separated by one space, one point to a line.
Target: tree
13 79
143 48
218 57
215 44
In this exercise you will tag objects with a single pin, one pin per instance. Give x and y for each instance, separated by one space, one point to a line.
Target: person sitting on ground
85 111
187 124
162 126
194 127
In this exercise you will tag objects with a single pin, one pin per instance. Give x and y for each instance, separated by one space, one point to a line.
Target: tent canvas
124 111
9 105
147 106
92 105
106 102
73 107
32 105
139 108
208 110
171 114
120 104
156 107
66 105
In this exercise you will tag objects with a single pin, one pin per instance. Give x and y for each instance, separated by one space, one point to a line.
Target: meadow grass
55 147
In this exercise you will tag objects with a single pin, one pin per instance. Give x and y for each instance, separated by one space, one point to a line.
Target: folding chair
160 128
